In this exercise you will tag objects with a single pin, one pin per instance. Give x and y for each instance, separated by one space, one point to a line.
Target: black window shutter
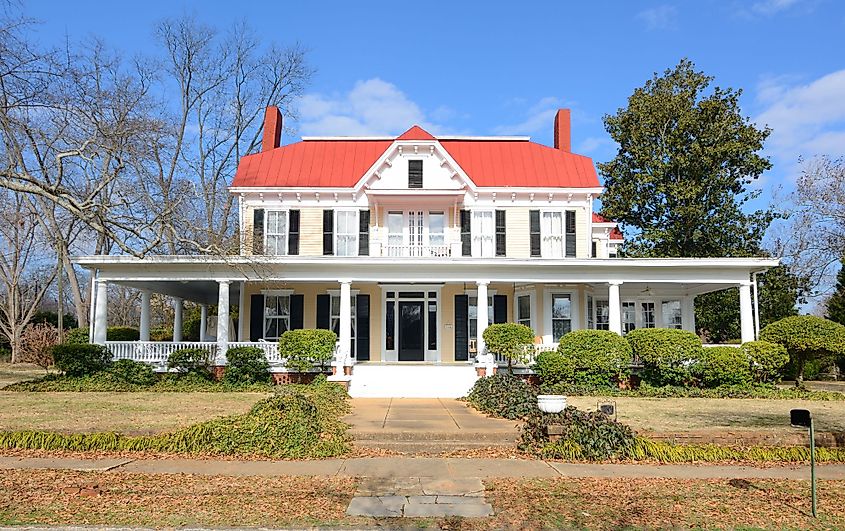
466 233
501 248
293 232
362 307
534 229
415 174
461 328
594 249
500 309
570 233
258 231
328 232
364 233
297 311
323 307
256 317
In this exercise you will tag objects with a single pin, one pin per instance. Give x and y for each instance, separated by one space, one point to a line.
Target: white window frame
393 354
590 311
439 235
532 308
280 237
666 316
575 302
605 324
285 293
546 236
352 235
479 237
642 310
636 321
334 318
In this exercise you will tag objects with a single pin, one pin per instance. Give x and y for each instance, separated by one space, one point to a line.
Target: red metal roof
415 133
488 163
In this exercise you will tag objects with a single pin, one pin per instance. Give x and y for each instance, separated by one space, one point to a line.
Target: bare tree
813 238
26 271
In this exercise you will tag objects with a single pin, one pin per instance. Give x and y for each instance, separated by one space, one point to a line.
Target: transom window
483 232
276 315
276 232
346 233
561 315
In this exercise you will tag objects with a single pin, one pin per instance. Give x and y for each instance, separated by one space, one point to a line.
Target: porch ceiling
198 291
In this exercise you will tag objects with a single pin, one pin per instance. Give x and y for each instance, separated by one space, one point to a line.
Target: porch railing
417 251
530 356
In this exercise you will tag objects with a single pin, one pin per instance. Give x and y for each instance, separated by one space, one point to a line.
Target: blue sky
505 67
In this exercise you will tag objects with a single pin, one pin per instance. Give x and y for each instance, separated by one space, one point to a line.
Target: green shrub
298 422
132 372
597 358
509 340
195 361
503 396
246 365
719 366
76 336
807 338
122 333
589 435
767 360
667 354
161 333
81 359
304 349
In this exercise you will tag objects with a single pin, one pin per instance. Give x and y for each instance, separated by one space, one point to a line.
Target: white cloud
660 17
592 144
770 7
539 118
807 119
371 107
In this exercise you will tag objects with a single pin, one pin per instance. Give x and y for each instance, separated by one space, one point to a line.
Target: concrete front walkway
420 467
425 424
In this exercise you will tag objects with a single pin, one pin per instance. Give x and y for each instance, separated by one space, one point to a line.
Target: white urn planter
551 403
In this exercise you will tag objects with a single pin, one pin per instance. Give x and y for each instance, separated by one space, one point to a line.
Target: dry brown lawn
18 372
130 413
685 414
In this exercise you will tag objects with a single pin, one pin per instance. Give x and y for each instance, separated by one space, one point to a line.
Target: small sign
799 418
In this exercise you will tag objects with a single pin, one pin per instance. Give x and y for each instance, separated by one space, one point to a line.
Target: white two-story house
408 248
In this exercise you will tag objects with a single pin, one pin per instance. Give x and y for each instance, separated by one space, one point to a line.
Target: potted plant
551 403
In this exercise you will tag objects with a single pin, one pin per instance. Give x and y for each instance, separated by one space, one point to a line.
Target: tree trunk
799 377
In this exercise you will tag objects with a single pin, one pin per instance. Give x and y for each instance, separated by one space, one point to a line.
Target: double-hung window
334 319
346 233
561 315
647 312
672 317
483 233
276 232
629 316
602 315
436 232
591 320
276 315
523 310
551 228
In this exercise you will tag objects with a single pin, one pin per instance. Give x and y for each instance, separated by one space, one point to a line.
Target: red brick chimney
563 136
272 129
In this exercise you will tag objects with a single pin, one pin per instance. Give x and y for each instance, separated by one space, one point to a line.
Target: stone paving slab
419 497
474 510
373 506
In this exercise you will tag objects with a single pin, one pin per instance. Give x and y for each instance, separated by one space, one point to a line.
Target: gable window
334 318
647 312
483 231
415 174
629 316
552 232
346 233
276 315
561 315
276 232
671 311
602 315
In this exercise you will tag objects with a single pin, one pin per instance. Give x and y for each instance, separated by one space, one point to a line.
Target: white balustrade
157 352
417 251
530 357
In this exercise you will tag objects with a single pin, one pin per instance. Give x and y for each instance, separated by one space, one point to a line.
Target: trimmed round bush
304 349
767 360
190 361
667 354
81 359
246 365
586 357
76 336
724 366
510 340
133 372
122 333
807 338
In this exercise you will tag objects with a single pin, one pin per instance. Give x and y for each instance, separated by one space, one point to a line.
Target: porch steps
411 380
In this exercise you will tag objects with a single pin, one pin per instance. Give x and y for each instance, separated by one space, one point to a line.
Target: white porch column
203 320
345 339
746 314
145 315
688 313
481 315
101 313
615 307
222 321
177 319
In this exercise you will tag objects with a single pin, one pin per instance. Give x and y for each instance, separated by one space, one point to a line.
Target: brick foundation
278 377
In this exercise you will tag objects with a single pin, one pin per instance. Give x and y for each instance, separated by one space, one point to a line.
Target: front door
411 331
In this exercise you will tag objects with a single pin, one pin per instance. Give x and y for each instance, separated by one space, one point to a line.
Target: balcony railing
417 251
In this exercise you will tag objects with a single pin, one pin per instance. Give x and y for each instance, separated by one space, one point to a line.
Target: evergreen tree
836 302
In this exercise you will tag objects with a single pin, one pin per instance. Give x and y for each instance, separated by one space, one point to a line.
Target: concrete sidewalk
420 467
